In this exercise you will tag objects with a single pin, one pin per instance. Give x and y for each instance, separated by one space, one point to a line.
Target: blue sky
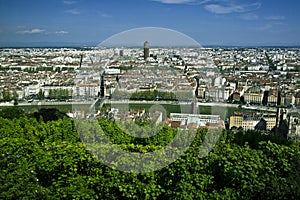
210 22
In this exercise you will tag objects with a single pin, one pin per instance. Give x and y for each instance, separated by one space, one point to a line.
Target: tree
6 95
40 94
47 160
12 113
270 62
15 97
49 114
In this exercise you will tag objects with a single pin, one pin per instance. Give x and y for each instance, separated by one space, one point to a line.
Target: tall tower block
102 87
146 50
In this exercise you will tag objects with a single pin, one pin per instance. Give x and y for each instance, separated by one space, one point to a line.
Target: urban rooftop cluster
263 77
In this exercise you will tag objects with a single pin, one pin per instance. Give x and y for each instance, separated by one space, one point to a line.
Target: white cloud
32 31
61 32
69 2
249 16
277 17
231 8
73 11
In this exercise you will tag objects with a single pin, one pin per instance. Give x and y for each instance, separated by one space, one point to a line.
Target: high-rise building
121 52
102 88
146 50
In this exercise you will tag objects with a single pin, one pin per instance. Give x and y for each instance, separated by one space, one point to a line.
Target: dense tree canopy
153 95
11 113
47 160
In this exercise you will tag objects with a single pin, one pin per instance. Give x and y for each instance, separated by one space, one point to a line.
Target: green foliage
270 62
6 95
11 112
297 68
153 95
38 69
49 114
60 94
161 136
47 160
125 68
41 95
252 138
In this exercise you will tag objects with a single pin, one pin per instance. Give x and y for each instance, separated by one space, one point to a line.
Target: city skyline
209 22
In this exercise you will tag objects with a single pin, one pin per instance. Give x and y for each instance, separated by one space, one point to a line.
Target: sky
209 22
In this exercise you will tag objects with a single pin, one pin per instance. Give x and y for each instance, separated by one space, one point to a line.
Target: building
252 121
136 115
121 53
294 125
288 99
31 90
272 99
297 99
254 95
216 94
261 125
86 90
187 121
201 93
146 50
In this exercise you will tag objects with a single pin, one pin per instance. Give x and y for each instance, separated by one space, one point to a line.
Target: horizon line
94 45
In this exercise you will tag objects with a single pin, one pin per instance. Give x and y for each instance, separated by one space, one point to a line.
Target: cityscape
149 99
264 83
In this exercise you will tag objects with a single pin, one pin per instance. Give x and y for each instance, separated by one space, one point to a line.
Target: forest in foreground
43 157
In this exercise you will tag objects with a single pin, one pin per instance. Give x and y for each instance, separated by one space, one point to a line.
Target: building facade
248 121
